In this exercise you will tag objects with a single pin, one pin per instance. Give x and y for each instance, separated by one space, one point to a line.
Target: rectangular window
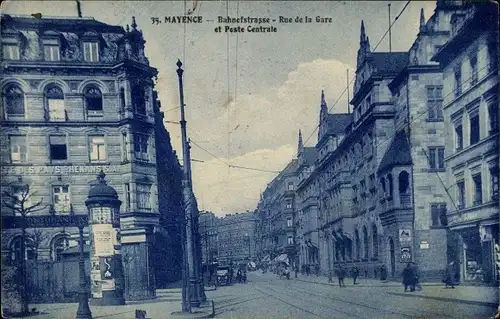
91 51
458 82
56 109
474 129
97 149
473 70
459 137
125 146
435 102
141 146
461 194
289 222
290 186
51 50
493 111
290 240
478 189
10 51
436 157
17 148
438 215
61 199
58 148
143 196
127 196
494 175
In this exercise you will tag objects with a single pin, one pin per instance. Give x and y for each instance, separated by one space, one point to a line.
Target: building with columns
77 98
470 70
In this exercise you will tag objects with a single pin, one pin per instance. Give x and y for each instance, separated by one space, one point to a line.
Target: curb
197 312
469 302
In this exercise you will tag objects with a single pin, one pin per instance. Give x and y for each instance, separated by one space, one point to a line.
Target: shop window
436 158
459 137
438 215
54 98
493 111
17 148
13 100
435 103
474 128
51 50
141 146
61 198
478 189
97 148
93 100
58 148
143 196
91 51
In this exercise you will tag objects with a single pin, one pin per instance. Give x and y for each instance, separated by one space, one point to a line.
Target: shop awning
282 258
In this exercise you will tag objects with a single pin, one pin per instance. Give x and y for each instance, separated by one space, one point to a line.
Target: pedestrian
449 275
416 277
355 274
341 275
408 277
383 273
308 269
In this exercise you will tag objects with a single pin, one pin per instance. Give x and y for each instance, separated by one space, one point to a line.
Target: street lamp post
83 311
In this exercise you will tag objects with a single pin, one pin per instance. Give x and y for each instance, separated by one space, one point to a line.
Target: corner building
77 98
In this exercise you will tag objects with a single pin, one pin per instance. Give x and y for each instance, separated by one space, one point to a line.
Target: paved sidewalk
167 301
462 293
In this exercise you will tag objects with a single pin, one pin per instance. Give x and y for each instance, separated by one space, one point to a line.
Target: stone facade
208 233
77 98
470 67
236 237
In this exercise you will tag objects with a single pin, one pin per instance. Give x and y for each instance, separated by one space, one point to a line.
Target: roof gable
398 153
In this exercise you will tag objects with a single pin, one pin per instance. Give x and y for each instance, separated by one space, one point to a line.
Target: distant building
236 237
208 231
77 98
471 113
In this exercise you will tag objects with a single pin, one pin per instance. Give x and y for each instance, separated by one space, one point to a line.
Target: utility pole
390 33
189 202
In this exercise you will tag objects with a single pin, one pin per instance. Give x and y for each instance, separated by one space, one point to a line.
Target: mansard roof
398 153
63 24
338 122
388 62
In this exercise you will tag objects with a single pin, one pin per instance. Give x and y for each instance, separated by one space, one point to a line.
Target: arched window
358 244
365 243
403 182
139 100
391 186
375 240
59 244
93 99
13 99
54 103
16 254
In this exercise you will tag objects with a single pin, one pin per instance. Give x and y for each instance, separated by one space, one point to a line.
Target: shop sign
103 239
405 254
59 169
108 284
405 235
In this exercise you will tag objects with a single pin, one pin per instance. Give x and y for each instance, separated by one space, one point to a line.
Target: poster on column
103 239
95 277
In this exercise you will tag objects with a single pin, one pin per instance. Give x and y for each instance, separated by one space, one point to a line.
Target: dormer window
51 50
91 51
93 100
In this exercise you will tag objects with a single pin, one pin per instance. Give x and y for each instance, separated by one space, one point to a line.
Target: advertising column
106 266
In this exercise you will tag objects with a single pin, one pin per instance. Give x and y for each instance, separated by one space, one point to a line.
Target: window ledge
96 163
437 120
437 227
434 170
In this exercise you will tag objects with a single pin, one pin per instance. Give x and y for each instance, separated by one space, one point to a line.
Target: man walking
355 274
341 276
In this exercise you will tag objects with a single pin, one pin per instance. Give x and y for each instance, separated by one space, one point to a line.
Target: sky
248 94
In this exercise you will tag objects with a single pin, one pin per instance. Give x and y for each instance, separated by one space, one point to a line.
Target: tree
19 201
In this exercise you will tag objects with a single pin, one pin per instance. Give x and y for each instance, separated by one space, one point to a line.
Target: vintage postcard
249 159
